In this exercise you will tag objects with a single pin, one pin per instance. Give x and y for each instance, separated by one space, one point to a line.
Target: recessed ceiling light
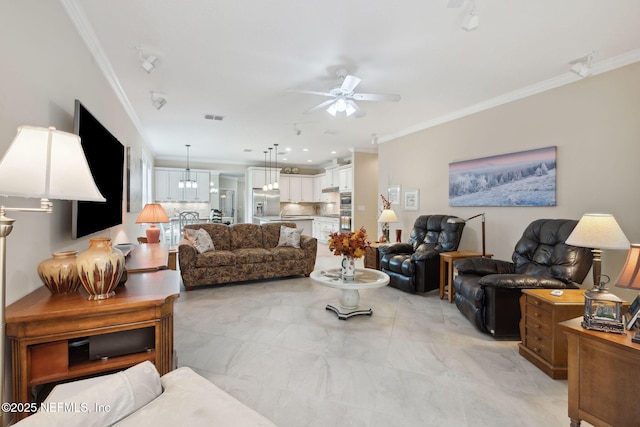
334 152
285 159
309 161
288 148
247 150
305 149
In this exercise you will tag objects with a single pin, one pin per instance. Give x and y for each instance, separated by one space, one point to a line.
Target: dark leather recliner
487 291
415 266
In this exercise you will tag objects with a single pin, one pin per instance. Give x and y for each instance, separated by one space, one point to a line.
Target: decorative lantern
602 310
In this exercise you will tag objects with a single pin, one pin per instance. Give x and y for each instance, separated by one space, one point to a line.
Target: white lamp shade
47 163
598 231
388 215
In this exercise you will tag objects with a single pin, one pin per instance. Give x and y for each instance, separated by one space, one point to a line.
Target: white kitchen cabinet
258 176
333 177
166 185
346 178
284 185
323 226
200 193
296 188
318 185
306 190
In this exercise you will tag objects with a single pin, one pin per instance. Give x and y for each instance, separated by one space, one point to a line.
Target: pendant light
270 186
264 187
276 186
188 182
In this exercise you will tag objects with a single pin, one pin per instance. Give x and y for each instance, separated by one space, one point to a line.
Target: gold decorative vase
100 268
59 273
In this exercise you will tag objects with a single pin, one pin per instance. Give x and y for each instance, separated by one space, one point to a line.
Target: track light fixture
582 66
471 21
158 100
148 62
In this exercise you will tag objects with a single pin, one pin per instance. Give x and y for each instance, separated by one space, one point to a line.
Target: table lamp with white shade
42 163
602 310
387 216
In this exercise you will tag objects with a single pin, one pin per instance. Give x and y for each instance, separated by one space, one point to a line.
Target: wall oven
345 212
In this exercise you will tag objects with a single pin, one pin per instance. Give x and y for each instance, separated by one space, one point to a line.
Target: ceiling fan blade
320 106
454 3
358 112
349 84
392 97
311 92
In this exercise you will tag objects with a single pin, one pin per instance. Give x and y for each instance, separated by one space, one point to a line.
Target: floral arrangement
352 244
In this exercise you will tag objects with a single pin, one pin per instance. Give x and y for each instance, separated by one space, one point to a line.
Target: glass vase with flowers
349 246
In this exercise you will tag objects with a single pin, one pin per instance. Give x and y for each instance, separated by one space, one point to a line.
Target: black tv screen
105 155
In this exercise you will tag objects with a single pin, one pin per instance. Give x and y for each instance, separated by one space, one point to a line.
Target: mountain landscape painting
526 178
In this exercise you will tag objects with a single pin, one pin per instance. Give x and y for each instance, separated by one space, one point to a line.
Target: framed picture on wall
134 181
394 194
411 200
525 178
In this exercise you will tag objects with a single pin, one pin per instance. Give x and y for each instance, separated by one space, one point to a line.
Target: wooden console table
40 327
147 257
603 376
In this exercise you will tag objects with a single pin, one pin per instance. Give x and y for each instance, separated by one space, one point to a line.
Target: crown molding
564 79
88 35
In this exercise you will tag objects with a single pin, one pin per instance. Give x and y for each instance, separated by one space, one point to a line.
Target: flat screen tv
105 155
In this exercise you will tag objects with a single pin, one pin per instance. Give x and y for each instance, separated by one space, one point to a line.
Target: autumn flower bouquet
351 245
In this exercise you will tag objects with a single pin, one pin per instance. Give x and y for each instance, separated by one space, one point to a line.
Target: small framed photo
394 194
631 316
411 200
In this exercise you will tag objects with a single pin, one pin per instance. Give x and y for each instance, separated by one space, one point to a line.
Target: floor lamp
458 220
40 163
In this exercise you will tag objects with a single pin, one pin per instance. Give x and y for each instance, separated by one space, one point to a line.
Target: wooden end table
446 270
372 256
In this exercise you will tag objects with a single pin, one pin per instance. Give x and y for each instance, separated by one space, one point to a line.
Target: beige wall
595 123
45 66
365 193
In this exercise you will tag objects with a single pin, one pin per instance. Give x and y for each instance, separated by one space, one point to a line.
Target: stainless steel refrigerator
266 202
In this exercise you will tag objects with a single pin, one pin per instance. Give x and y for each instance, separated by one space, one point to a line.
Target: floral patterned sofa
244 252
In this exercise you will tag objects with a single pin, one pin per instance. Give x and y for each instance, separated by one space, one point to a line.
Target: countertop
276 218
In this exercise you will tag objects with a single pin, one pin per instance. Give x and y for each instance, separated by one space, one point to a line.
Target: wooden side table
543 343
446 269
372 256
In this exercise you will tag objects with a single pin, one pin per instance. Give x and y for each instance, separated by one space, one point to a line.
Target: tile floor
415 362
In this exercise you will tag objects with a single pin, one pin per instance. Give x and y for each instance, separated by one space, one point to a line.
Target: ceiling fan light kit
343 97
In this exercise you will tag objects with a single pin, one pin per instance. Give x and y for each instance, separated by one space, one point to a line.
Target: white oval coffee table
365 278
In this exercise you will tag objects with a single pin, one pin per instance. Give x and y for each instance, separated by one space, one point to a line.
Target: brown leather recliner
415 266
487 291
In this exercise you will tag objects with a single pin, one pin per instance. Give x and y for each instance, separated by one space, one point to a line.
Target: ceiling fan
343 97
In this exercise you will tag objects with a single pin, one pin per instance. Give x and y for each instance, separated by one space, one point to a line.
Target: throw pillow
290 236
200 239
